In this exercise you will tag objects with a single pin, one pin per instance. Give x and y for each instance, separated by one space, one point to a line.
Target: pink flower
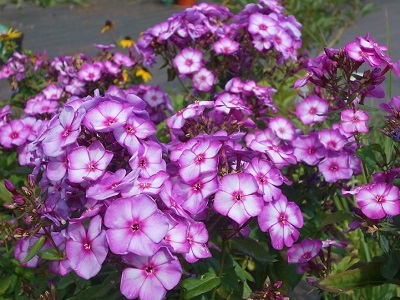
150 277
268 178
135 225
88 163
225 46
201 158
304 251
87 251
281 218
107 115
90 72
378 200
307 148
52 92
64 132
282 128
203 80
312 109
148 159
188 61
260 24
13 133
237 197
197 238
123 60
335 167
332 139
354 121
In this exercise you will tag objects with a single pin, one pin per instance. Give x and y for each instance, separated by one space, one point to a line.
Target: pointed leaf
251 248
336 217
197 286
51 254
35 248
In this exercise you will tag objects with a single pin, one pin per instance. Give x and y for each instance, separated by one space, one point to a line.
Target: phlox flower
228 102
87 250
107 115
335 167
197 238
75 87
176 237
264 25
332 139
154 96
198 191
148 159
148 185
304 251
123 60
354 121
282 128
90 72
268 178
52 92
312 109
237 197
111 184
281 218
188 61
308 149
22 248
150 277
88 163
13 134
203 80
135 225
378 200
225 46
201 158
63 132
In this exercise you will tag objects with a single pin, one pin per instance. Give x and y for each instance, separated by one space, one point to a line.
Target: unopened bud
31 181
27 191
9 186
19 200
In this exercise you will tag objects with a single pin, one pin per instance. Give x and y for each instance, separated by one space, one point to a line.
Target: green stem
221 267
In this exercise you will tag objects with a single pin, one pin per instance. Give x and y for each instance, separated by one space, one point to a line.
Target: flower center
379 199
135 227
283 218
14 135
149 269
197 187
86 246
239 196
333 168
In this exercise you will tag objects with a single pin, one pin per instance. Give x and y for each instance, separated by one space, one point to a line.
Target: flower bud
9 186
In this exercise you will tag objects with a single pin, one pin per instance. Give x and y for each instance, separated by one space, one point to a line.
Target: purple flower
90 72
354 121
282 128
281 218
304 251
225 46
260 24
197 238
87 251
201 158
378 200
312 109
150 277
88 163
203 80
335 167
13 133
188 61
107 115
64 132
237 197
52 92
135 225
308 148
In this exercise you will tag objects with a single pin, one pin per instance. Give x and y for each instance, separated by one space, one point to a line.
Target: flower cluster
232 168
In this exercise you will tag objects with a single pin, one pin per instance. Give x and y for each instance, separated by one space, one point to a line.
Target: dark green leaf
391 266
251 248
336 217
35 248
196 286
384 243
364 275
94 292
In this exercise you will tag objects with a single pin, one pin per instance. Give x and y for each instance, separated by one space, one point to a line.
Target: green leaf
336 217
251 248
384 243
196 286
364 275
367 155
35 248
391 266
51 254
94 292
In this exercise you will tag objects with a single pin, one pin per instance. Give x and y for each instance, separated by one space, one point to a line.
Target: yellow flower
125 75
10 35
142 72
107 26
126 42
